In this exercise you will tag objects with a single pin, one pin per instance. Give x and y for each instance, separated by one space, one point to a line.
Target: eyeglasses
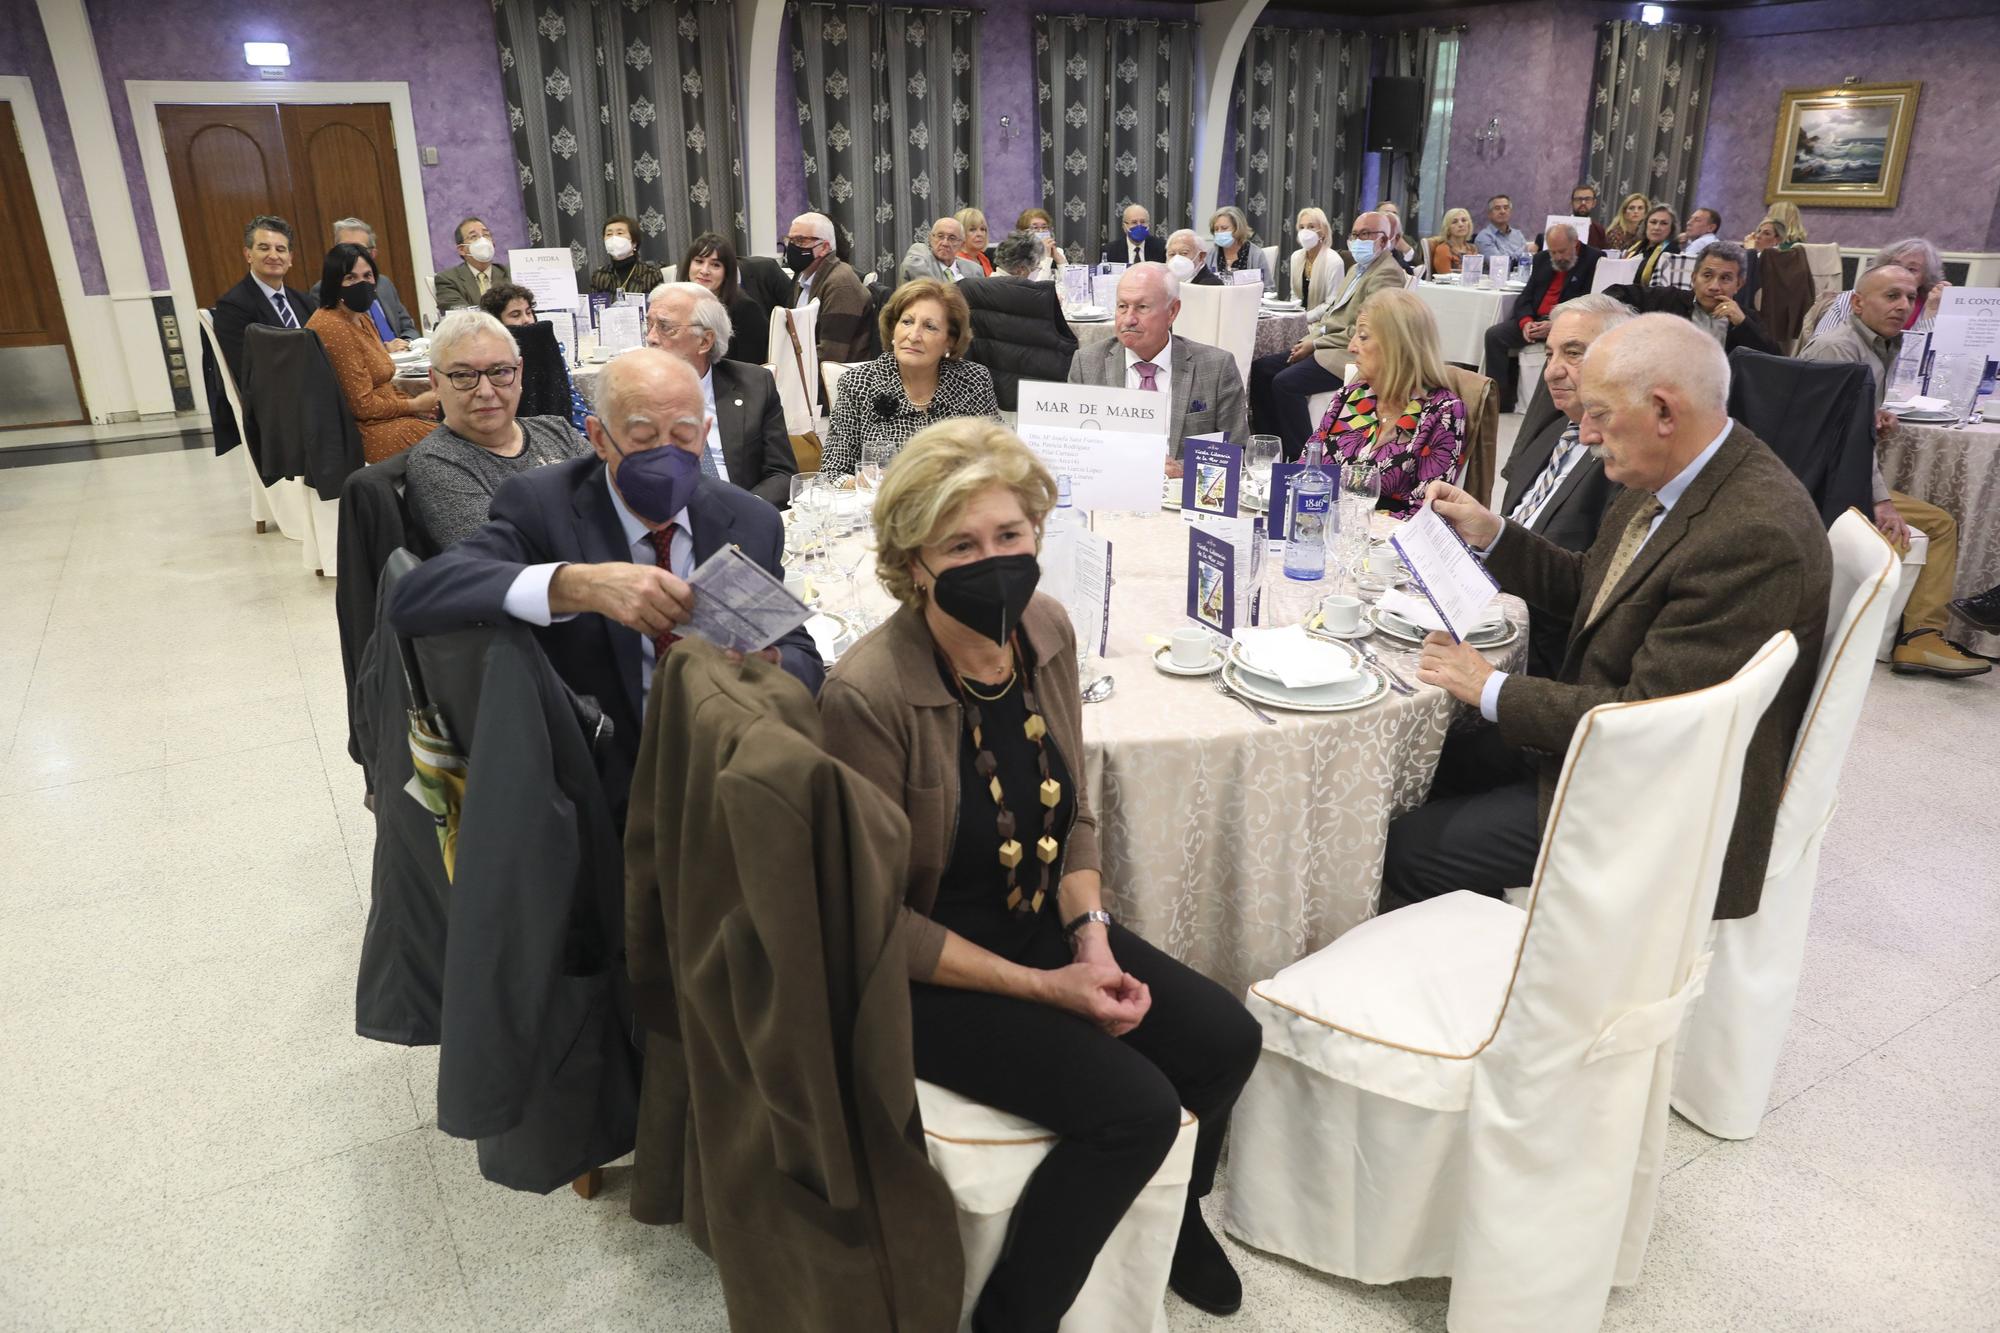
1368 236
666 330
502 376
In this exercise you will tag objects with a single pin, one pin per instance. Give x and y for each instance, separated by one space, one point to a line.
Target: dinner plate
831 634
1283 307
1241 659
1396 627
1928 418
1363 690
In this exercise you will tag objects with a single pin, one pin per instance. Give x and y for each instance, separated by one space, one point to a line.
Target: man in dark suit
261 298
1711 305
1556 488
594 564
1018 329
1136 243
476 273
747 445
1562 270
1713 547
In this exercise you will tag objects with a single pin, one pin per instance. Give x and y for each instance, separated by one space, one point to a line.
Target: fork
1222 688
1396 682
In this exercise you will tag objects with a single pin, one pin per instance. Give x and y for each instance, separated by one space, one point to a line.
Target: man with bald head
1712 548
1283 383
936 256
1561 272
1201 382
596 552
1873 337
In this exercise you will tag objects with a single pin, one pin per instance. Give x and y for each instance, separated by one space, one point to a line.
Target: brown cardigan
889 716
388 420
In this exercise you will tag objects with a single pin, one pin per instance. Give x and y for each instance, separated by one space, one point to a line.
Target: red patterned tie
663 541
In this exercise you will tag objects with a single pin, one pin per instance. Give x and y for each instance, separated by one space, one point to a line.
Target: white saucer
1163 659
1316 625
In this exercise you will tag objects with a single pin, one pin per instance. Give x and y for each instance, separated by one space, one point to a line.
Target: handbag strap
799 360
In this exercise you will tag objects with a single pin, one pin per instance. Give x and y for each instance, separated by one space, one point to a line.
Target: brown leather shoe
1926 650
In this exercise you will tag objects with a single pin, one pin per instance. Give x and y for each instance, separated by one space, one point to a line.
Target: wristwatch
1100 916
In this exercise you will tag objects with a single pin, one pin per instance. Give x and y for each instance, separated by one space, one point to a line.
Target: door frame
18 91
147 95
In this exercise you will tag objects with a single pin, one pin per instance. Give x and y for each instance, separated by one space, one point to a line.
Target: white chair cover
1912 561
986 1156
1200 310
797 376
1611 272
1236 324
1729 1051
1467 1089
1824 263
283 502
830 373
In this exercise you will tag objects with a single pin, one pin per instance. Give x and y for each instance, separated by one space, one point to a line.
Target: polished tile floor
191 1135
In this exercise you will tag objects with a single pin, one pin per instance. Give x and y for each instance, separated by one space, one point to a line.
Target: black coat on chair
1018 332
236 310
298 421
1818 417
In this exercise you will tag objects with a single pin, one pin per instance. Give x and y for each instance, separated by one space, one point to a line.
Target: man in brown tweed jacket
1713 547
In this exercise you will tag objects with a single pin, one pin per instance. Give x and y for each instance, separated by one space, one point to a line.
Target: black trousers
1479 830
1281 398
1115 1101
1502 341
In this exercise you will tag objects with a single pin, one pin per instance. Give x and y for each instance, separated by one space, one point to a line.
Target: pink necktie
1147 370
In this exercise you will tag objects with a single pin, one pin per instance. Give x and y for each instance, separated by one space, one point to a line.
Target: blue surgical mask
1363 251
656 483
1225 239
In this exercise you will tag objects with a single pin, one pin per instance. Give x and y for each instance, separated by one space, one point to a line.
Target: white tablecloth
1237 847
1463 315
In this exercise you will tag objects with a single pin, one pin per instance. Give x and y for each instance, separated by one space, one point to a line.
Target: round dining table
1956 468
1236 845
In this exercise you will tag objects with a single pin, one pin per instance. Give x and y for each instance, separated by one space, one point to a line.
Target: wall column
114 229
758 23
1225 28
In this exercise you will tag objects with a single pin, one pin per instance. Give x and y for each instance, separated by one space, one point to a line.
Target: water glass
1258 456
875 456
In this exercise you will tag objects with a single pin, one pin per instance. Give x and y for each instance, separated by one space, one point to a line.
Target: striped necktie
285 315
1545 485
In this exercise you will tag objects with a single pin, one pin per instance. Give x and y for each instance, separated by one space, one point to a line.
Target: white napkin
1299 661
1922 404
1419 611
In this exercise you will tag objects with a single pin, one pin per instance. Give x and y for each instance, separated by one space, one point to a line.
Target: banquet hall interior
272 1062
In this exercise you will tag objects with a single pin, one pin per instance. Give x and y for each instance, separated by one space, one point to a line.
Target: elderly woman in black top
711 262
1025 995
922 376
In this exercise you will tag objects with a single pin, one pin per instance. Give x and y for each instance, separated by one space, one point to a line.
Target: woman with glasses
390 420
454 470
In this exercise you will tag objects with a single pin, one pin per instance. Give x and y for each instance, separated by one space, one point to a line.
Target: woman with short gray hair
1913 253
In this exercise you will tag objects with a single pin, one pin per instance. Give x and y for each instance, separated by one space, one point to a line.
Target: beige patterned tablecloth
1958 471
1237 847
1275 333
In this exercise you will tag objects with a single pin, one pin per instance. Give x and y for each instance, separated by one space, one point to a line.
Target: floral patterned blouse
1415 446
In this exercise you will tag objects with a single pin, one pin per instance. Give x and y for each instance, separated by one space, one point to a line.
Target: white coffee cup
1340 614
1383 562
1191 648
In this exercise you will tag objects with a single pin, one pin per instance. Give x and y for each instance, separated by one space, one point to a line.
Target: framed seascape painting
1842 147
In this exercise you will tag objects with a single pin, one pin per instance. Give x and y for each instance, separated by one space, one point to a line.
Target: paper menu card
618 328
1112 443
597 301
564 324
1211 476
1089 599
550 273
1471 268
1968 320
1221 560
1445 570
739 604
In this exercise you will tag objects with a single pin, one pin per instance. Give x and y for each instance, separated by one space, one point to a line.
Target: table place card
1471 269
1111 442
548 272
1444 569
564 323
1090 595
1968 320
597 301
618 328
1211 476
1211 581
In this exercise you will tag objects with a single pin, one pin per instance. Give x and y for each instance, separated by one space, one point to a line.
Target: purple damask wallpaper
24 49
445 50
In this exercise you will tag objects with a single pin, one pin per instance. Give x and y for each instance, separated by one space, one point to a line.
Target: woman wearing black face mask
390 420
1024 994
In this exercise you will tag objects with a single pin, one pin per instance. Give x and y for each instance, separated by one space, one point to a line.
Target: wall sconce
1487 137
269 55
1009 128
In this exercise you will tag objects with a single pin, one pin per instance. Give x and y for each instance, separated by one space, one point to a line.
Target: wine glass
1360 489
875 456
1258 456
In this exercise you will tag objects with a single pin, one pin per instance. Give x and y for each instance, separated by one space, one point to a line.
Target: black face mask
358 297
988 596
798 258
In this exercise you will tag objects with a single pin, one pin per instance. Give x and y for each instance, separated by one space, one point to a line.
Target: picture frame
1842 147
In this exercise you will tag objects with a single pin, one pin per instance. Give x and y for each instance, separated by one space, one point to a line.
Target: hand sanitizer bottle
1311 508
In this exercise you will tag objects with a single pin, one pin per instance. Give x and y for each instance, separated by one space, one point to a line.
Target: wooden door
228 164
306 164
37 364
344 166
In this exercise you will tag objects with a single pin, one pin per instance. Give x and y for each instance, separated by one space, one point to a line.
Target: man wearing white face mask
1187 259
477 274
628 271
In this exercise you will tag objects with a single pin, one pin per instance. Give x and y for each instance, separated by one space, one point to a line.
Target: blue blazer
564 513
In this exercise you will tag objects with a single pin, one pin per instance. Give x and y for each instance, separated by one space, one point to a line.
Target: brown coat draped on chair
778 1112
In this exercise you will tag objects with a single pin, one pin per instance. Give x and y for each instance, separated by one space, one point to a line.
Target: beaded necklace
988 767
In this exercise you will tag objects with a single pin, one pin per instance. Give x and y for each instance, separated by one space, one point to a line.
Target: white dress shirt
1668 495
1568 452
1699 244
1161 377
714 424
1135 253
527 596
276 296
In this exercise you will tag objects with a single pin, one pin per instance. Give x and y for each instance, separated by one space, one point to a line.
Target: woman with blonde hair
1399 412
1629 225
1234 251
921 377
1655 239
973 223
1025 995
1454 244
1316 266
1781 229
